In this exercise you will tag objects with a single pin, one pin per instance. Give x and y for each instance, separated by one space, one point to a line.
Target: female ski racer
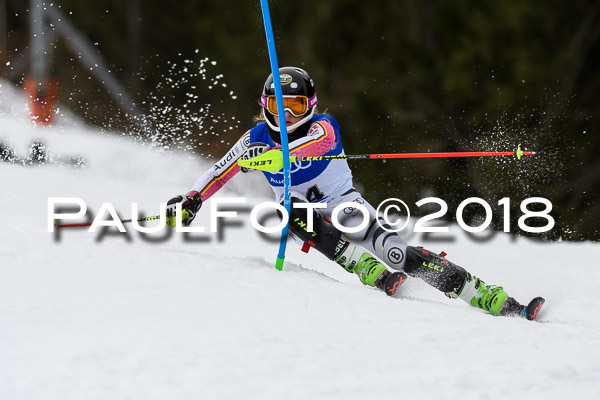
369 252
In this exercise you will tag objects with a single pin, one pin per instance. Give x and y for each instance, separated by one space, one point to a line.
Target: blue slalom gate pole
283 130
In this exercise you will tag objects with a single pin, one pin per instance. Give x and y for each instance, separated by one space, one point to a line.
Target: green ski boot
490 298
496 301
370 271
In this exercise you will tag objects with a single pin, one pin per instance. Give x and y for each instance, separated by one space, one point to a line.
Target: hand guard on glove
190 204
254 150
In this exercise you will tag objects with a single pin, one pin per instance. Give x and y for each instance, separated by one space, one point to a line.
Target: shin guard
325 237
435 270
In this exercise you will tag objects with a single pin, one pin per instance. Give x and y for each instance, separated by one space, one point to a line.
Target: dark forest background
400 76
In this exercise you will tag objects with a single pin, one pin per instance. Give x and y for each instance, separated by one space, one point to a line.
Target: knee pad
435 270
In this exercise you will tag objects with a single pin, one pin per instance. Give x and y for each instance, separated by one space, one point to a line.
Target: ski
532 310
390 282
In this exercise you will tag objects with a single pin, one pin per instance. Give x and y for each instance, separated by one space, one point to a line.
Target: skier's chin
287 127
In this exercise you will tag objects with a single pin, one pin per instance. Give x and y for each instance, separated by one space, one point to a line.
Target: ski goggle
296 105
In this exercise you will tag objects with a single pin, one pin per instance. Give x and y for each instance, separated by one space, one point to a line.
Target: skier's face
289 119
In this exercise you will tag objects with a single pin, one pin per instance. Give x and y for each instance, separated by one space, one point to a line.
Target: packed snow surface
111 315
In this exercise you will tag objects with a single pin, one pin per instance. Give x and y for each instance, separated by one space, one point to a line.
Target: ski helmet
300 99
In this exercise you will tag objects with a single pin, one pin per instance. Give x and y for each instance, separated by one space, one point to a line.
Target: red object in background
41 99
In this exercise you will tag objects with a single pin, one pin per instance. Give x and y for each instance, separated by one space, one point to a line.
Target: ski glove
190 205
254 150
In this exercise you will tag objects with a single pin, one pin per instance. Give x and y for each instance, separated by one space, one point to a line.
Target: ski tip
532 310
393 281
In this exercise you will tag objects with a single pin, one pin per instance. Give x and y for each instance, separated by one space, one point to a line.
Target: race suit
328 181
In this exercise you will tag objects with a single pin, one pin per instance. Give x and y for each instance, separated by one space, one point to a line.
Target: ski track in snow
118 317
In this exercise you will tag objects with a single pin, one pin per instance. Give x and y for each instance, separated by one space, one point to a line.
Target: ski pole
272 160
285 164
124 221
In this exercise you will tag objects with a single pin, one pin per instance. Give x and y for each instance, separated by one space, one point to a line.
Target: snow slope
116 316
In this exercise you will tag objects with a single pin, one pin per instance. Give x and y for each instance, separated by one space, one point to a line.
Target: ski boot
370 271
496 301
